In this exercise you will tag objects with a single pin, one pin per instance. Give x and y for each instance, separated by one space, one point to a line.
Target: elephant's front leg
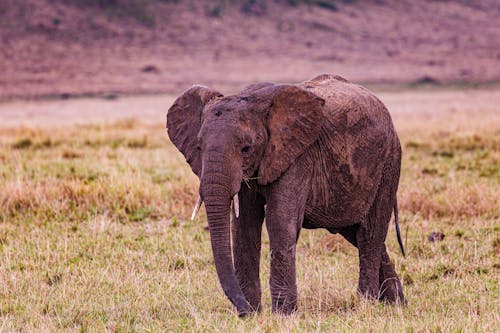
246 231
284 216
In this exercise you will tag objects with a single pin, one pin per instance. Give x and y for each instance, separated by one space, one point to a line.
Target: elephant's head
257 133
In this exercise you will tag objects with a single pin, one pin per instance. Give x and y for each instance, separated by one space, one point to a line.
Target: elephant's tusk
196 208
236 205
231 213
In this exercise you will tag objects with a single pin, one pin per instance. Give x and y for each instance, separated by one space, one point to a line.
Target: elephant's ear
184 122
294 120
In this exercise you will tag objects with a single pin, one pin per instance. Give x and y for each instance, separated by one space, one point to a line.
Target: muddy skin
319 154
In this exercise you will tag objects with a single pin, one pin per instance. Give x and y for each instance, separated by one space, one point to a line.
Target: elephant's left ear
294 121
184 122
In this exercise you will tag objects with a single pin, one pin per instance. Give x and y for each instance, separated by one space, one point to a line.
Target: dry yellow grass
94 233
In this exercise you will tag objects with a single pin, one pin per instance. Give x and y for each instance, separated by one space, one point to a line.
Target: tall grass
95 236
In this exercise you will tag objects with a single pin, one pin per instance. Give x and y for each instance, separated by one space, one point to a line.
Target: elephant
323 153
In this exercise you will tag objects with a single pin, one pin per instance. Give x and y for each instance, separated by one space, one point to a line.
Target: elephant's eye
245 149
198 147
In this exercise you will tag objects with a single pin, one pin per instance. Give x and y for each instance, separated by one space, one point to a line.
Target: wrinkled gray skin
319 154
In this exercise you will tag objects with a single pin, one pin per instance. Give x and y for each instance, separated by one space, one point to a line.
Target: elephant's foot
391 290
254 303
368 285
251 290
285 305
368 289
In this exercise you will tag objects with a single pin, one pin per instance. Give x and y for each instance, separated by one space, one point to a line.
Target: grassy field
95 236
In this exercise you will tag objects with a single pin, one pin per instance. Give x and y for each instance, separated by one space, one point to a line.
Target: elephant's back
346 99
356 139
351 109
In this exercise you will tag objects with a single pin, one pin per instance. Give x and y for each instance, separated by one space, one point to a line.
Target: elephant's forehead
228 110
226 127
227 104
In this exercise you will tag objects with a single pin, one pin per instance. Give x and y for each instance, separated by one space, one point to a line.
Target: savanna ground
95 235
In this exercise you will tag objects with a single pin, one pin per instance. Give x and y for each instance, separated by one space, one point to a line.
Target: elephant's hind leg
370 255
370 258
389 286
390 289
371 233
369 238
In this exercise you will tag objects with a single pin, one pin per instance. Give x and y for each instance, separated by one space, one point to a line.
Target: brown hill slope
52 47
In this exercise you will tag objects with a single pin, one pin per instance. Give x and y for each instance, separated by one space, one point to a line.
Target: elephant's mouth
249 173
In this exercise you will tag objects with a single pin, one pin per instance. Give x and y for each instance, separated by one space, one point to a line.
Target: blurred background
65 48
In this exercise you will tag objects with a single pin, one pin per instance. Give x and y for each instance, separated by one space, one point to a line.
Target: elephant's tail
398 232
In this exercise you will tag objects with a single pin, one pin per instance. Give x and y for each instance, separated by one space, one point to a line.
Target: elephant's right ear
184 122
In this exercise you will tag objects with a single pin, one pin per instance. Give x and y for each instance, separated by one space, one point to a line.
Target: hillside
70 47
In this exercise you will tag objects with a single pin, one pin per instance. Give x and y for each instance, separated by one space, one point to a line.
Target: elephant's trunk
216 191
